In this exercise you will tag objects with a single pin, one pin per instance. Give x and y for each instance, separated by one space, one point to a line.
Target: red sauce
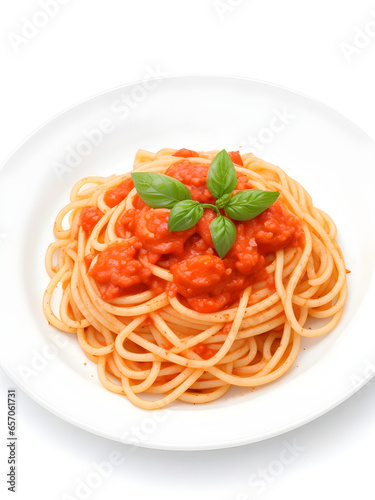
186 153
236 157
151 228
204 351
90 216
88 259
115 195
201 279
194 176
118 271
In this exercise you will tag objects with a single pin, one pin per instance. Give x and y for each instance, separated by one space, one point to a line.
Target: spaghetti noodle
162 316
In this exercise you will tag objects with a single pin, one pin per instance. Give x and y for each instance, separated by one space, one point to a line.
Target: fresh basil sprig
162 191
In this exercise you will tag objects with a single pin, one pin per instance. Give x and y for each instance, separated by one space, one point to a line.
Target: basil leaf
221 178
159 190
247 204
184 215
223 232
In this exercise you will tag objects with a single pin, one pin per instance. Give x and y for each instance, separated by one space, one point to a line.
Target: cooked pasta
163 316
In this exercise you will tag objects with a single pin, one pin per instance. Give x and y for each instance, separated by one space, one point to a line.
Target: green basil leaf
246 205
223 232
159 190
221 178
184 215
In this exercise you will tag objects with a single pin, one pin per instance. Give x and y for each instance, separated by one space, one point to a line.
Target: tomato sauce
194 176
204 351
118 270
236 157
186 153
151 228
115 195
90 216
201 279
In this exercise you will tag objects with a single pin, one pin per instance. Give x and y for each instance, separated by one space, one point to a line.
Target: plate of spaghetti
207 297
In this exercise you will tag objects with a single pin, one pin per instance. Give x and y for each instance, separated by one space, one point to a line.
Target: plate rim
38 128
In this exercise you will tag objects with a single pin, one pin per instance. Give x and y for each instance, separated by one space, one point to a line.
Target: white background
88 46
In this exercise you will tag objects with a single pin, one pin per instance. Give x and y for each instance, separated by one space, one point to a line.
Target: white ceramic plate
330 156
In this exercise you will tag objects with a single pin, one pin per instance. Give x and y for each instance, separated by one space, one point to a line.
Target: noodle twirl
219 296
